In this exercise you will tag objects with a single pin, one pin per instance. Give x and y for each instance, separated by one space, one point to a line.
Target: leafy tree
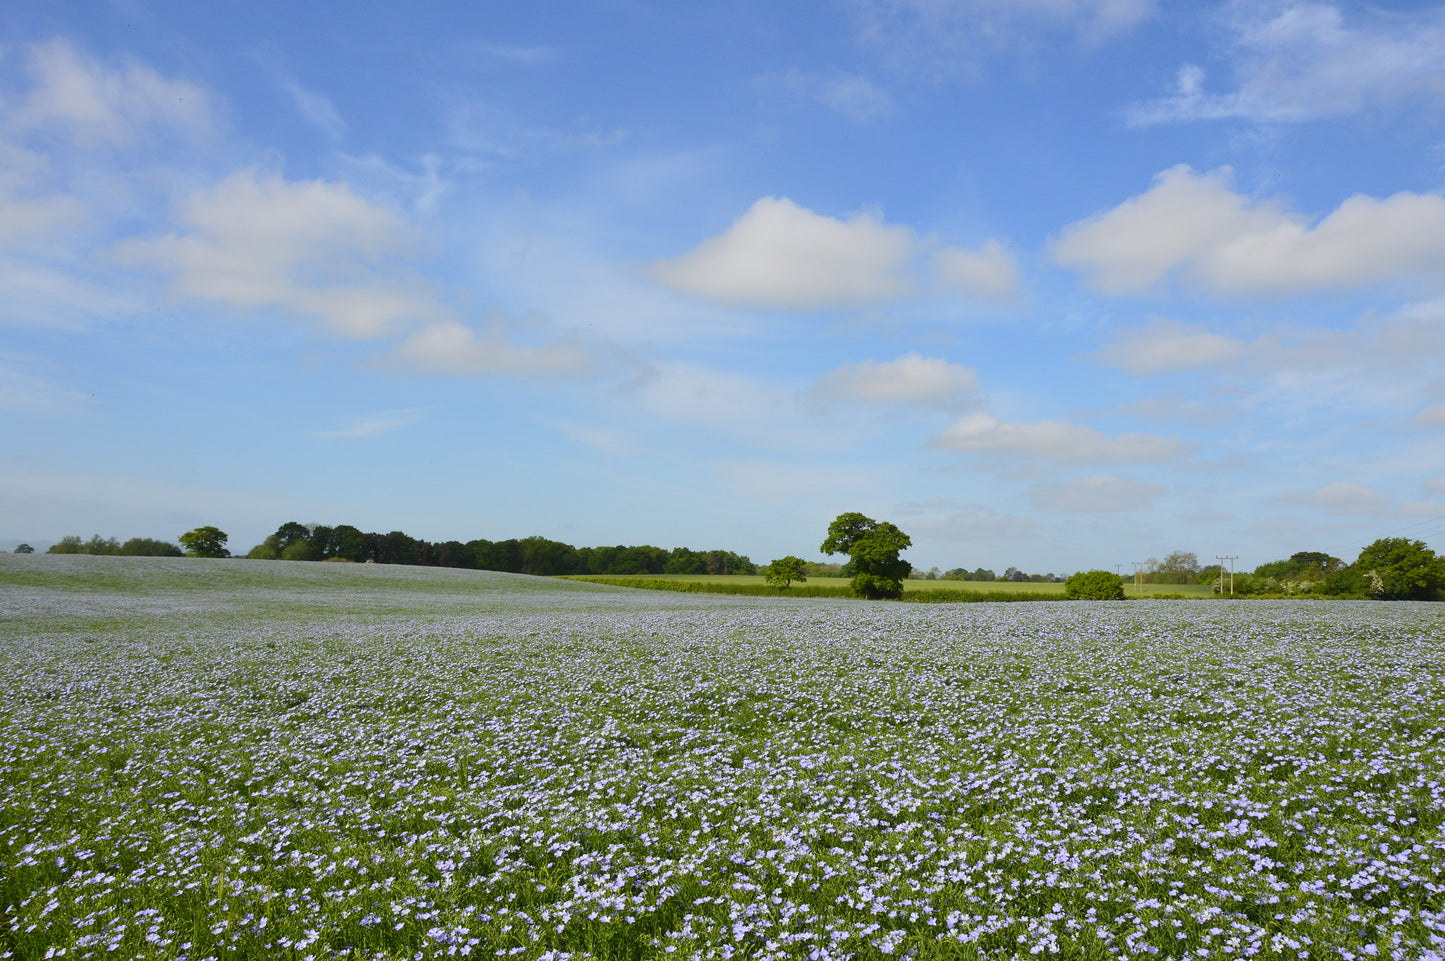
783 571
69 544
1396 568
24 549
872 548
1094 586
302 550
149 547
205 542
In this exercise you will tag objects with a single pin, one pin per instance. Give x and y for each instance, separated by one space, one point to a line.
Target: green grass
919 590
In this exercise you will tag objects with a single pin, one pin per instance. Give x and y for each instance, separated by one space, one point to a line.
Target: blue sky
1056 284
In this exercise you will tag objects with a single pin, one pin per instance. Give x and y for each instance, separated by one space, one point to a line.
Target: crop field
233 759
911 586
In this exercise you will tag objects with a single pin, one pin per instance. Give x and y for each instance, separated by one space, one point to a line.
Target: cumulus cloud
909 380
100 106
311 248
1166 346
991 272
780 255
1053 440
1095 495
453 348
1198 226
1295 62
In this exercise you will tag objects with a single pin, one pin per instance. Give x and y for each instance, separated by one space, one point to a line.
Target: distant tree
205 542
265 551
872 548
1396 568
301 550
24 549
1179 567
1015 575
783 571
288 534
69 544
1094 586
149 547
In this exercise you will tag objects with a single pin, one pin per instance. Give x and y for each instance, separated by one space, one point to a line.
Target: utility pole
1139 573
1231 558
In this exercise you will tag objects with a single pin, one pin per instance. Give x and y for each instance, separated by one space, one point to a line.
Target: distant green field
980 587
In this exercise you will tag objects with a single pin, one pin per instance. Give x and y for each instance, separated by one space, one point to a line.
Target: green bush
1094 586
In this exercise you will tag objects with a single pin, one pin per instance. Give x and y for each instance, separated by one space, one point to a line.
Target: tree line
293 541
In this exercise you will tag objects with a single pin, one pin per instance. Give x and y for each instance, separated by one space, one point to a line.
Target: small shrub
1094 586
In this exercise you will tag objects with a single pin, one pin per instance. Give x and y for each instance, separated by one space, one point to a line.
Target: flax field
233 759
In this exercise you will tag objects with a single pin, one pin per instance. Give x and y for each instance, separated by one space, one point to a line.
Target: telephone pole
1222 558
1139 573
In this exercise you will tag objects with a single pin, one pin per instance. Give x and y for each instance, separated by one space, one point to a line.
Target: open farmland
911 586
235 759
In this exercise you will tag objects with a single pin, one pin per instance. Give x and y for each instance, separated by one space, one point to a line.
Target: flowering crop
229 760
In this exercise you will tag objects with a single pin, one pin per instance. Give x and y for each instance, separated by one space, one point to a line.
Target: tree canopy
1397 568
205 542
872 548
783 571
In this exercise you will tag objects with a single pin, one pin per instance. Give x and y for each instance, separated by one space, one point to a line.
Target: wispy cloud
317 108
382 422
852 96
911 380
1099 494
1167 346
1053 440
1301 61
100 106
944 38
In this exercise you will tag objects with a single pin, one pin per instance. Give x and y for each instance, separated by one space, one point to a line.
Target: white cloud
1166 346
1435 485
989 272
311 248
98 106
378 423
1053 440
453 348
909 380
1301 61
1226 243
1343 497
780 255
1098 494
